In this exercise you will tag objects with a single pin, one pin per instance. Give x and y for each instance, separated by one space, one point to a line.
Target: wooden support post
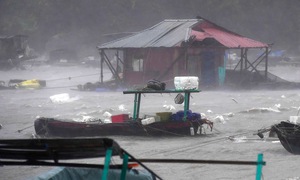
242 60
266 67
101 65
246 59
117 59
111 68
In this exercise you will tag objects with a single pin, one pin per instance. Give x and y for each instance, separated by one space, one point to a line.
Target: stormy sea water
237 115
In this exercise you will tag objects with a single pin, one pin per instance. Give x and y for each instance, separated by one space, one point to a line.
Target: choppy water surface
237 114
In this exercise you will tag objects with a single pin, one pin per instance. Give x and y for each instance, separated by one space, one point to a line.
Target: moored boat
289 135
182 123
23 84
59 152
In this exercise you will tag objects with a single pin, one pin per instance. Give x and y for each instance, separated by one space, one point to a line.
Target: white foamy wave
209 111
220 119
241 139
260 110
84 119
230 114
81 113
122 107
62 98
217 118
279 108
293 178
169 107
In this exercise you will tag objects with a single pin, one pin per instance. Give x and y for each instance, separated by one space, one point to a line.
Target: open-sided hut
184 47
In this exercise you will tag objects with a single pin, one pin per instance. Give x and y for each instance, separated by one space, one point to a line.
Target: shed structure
182 47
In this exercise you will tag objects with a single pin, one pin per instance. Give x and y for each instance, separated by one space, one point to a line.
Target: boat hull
50 127
289 136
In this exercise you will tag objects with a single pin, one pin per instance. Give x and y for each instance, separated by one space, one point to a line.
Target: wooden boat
57 152
110 85
185 126
289 135
23 84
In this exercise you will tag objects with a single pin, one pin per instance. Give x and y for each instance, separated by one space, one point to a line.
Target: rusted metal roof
171 33
223 36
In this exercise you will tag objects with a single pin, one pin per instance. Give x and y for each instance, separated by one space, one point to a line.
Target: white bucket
192 131
186 82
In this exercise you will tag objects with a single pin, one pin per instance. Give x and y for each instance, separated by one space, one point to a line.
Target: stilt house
184 47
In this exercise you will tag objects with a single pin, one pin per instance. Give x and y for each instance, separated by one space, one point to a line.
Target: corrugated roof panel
176 35
168 33
229 39
234 41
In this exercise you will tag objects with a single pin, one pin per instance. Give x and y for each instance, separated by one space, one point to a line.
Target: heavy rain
72 60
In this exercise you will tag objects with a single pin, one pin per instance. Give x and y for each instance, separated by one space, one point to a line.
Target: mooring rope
70 78
57 87
187 148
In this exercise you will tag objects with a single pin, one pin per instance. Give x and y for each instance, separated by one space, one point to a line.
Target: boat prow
289 135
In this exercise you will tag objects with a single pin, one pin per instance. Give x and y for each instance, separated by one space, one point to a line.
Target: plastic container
157 118
147 121
192 131
119 118
294 119
164 116
186 82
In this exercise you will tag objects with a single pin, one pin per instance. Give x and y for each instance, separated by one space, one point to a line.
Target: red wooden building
185 47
